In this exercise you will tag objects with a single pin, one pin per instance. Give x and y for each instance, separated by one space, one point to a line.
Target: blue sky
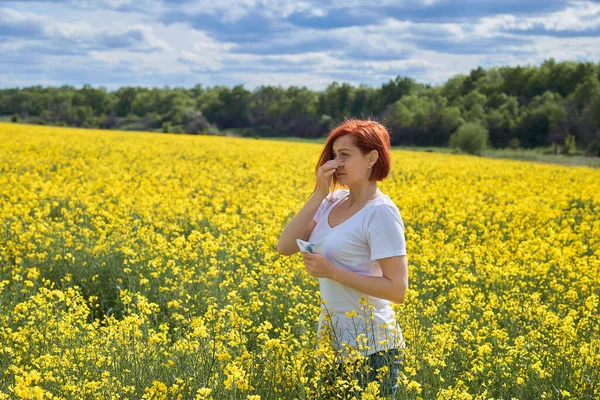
115 43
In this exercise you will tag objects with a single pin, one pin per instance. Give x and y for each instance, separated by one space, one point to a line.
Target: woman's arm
391 286
296 228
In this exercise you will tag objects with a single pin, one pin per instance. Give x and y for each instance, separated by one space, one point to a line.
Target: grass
540 155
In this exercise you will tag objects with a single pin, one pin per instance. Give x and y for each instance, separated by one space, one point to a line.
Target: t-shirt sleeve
385 232
320 210
325 204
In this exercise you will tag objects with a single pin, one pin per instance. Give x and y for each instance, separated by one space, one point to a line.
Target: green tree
540 121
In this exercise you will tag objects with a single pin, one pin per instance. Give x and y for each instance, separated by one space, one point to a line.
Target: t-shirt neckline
350 217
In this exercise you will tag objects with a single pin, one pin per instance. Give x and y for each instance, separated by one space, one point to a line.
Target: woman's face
355 166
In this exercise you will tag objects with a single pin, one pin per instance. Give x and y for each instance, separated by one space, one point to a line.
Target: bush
196 123
177 129
471 138
514 143
569 145
14 118
151 121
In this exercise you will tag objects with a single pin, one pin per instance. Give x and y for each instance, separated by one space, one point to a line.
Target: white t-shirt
375 231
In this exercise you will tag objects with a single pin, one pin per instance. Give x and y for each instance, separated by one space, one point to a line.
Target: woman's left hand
318 265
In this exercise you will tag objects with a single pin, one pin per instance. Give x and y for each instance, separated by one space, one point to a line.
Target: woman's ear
373 156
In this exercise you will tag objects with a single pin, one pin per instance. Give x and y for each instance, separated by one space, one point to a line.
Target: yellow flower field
144 266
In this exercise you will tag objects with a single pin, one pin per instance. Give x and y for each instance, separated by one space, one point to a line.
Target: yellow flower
414 385
203 393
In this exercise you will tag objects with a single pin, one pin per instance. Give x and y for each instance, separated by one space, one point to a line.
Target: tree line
529 105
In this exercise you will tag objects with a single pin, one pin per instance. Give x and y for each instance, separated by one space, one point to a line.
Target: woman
359 246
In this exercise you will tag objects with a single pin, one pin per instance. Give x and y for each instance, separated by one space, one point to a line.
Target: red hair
368 135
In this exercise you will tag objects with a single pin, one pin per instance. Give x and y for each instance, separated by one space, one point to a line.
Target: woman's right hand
324 175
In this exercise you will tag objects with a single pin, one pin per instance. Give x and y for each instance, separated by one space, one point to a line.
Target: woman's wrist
335 272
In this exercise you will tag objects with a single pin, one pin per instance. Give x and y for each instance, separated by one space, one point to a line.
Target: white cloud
10 16
16 23
231 11
147 5
142 64
578 16
187 52
77 31
563 49
252 80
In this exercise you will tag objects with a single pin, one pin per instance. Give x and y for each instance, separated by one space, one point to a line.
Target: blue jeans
388 382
